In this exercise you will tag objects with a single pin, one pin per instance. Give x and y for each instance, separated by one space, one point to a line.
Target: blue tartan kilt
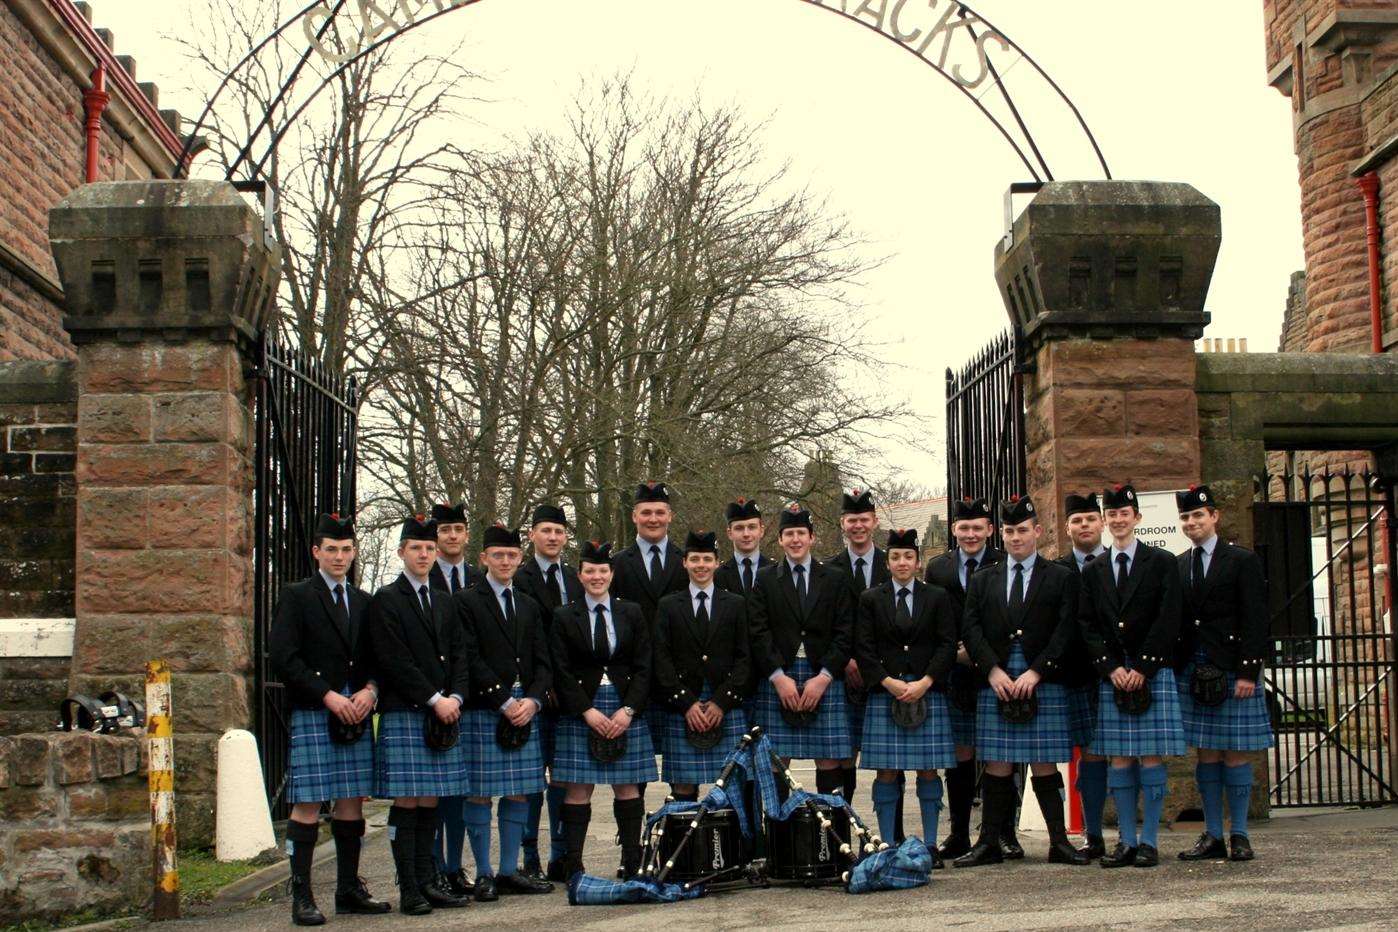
572 763
854 711
825 738
408 767
321 770
494 770
1044 739
1157 733
963 724
1237 725
683 762
889 746
1082 714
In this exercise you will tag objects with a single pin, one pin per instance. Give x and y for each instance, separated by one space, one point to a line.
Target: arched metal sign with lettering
961 45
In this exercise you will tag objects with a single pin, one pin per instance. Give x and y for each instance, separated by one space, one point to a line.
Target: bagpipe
693 848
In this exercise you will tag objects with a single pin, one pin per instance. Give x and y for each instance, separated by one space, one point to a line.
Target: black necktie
1121 571
902 614
426 605
1088 558
1017 592
970 568
654 563
455 579
509 598
555 590
600 648
1197 576
701 614
859 571
747 573
340 604
800 571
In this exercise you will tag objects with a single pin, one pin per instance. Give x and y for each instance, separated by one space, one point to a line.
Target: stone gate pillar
168 284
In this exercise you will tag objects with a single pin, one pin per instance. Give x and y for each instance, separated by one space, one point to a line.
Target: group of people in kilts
524 683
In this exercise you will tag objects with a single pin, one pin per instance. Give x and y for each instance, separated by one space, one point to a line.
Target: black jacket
685 657
1078 669
531 580
1142 623
1043 627
729 575
927 648
779 624
416 656
631 581
880 574
311 647
1230 620
499 652
438 580
576 672
942 571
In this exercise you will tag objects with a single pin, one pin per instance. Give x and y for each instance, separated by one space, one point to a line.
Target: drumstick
699 813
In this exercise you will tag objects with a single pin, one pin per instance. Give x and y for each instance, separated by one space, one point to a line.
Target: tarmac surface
1316 869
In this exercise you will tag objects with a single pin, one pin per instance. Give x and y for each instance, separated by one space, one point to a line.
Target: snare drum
797 849
716 845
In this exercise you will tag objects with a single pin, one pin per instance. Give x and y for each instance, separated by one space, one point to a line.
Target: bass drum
797 849
716 845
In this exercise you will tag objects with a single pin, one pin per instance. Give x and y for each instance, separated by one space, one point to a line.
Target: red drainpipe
95 100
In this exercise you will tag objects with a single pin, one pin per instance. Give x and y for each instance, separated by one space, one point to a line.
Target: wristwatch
629 711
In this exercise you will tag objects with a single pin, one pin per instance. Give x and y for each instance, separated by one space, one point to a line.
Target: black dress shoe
438 893
485 890
981 853
558 871
1207 848
1093 848
938 862
460 884
1061 852
1241 848
1147 856
356 900
304 911
1011 848
521 884
532 867
954 847
1120 856
411 902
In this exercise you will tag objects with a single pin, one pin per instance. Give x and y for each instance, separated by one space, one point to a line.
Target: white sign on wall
1160 523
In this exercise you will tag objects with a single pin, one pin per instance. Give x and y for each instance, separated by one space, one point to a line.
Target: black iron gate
304 463
985 426
1330 686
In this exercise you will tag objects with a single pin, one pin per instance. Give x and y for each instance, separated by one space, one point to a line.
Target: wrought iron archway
930 40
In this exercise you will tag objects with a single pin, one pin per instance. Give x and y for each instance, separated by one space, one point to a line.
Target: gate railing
304 464
985 426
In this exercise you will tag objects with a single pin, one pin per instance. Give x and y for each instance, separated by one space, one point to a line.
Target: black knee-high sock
829 781
898 835
961 793
849 780
689 796
424 868
997 795
575 817
347 834
303 837
630 813
1049 792
402 839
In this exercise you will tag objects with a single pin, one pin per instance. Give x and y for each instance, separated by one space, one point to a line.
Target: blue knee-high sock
1210 780
558 845
451 835
1238 780
477 817
886 807
1122 783
535 802
1153 803
1092 788
514 818
929 798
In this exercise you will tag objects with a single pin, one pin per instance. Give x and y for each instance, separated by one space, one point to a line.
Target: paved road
1315 870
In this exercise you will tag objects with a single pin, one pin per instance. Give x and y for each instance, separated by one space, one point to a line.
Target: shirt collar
644 545
1028 562
331 582
962 556
496 585
413 580
544 563
707 590
911 586
593 603
1209 546
792 566
755 557
1129 551
868 558
446 566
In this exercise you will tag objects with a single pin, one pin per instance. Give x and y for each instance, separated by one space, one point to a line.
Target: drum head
703 740
512 737
1019 711
606 750
909 714
1135 702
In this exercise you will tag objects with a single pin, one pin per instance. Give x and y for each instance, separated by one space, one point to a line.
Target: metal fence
985 426
1323 537
304 465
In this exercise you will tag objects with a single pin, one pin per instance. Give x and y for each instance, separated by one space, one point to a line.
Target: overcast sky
1170 93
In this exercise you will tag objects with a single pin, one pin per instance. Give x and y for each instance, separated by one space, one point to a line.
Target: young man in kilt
802 618
746 529
867 566
602 672
422 669
1083 517
552 583
905 643
1225 634
1130 618
319 647
1020 614
971 526
508 652
702 671
451 573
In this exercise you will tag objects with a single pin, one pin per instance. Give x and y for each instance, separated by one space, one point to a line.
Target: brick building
1338 62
